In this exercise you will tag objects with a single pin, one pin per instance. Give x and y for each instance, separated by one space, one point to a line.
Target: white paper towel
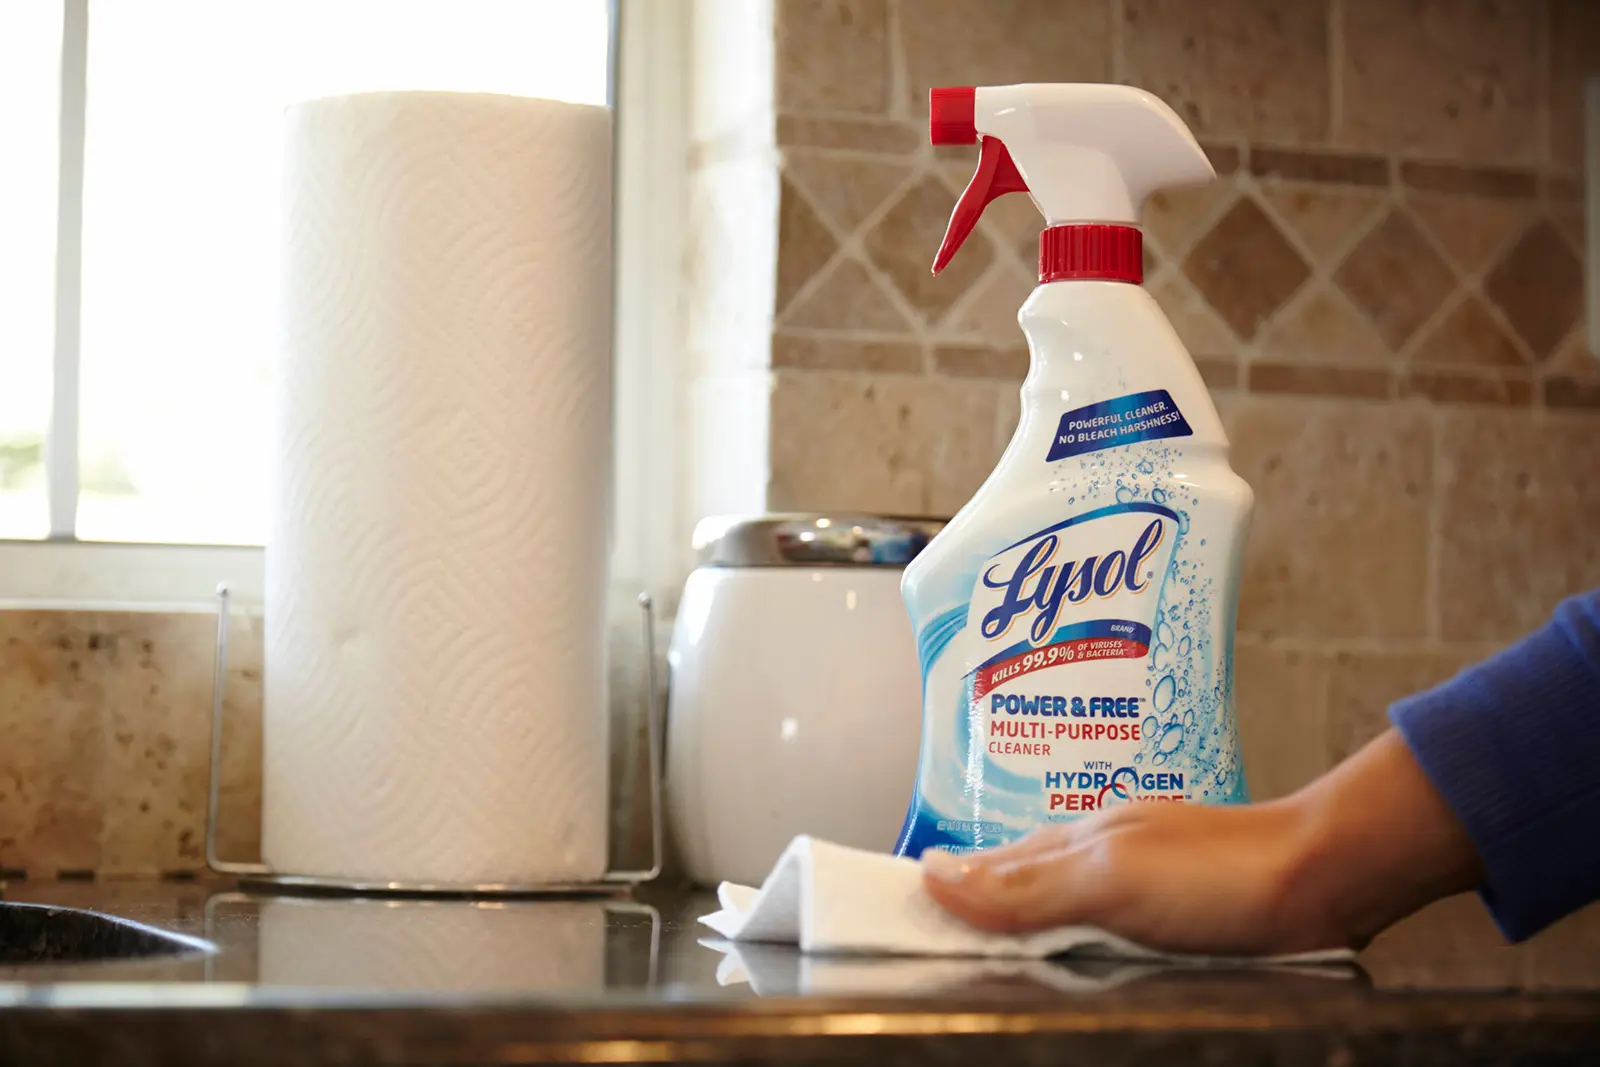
436 569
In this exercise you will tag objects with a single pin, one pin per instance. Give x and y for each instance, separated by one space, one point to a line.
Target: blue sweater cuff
1513 746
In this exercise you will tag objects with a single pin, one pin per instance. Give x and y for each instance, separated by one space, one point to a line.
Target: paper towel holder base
261 876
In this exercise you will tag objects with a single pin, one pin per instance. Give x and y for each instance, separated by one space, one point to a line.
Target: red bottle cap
1091 252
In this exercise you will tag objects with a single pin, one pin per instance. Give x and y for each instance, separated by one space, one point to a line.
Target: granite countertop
329 980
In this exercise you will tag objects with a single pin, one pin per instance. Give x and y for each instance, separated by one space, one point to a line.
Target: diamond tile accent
1472 229
1325 219
1198 327
1323 328
848 298
1469 336
989 311
1174 217
1539 285
846 190
804 244
1396 277
904 241
1245 268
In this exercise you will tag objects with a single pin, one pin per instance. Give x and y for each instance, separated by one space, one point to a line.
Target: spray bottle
1075 619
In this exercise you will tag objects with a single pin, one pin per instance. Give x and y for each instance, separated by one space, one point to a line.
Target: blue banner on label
1148 416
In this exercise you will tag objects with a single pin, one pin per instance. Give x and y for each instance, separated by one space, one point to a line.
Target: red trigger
996 176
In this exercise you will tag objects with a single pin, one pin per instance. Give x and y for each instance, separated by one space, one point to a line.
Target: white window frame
649 79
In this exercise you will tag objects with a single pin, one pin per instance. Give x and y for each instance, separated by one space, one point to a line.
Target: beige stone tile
833 55
1519 501
820 352
1281 697
1327 219
157 690
1245 268
989 312
880 444
1469 336
1002 42
1396 278
848 298
1322 326
1574 58
1174 218
905 239
1200 329
1442 78
846 189
1539 286
51 731
1339 543
1362 685
1218 372
1473 230
239 799
1250 68
804 244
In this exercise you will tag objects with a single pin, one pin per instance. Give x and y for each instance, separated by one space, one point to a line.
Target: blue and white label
1126 420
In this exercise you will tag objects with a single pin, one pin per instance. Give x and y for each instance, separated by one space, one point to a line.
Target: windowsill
101 576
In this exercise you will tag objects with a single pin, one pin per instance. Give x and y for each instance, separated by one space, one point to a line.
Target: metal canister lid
812 540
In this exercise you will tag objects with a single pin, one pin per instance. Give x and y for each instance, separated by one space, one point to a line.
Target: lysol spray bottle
1075 620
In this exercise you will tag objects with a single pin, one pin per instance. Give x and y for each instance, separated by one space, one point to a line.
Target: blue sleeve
1513 745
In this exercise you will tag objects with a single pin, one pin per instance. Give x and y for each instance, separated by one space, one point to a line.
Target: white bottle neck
1094 341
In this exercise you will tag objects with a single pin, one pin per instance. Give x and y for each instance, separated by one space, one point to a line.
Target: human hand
1366 844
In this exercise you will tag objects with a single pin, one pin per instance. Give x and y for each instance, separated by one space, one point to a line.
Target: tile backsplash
1383 289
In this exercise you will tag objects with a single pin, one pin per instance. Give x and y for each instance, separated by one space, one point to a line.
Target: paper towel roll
436 569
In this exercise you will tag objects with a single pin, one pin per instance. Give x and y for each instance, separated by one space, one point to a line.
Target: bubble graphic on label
1138 757
1145 467
1161 657
1171 738
1163 633
1183 522
1124 495
1166 693
1151 725
1184 646
1188 720
1160 758
1158 495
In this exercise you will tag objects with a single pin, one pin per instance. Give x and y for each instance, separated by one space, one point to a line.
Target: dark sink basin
42 933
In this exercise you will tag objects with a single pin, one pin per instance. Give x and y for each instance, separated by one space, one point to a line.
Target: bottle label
1082 663
1125 420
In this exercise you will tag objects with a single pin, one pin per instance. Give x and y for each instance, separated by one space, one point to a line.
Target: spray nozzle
1084 153
950 121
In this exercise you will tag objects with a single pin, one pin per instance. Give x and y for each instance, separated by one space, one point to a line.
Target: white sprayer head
1086 153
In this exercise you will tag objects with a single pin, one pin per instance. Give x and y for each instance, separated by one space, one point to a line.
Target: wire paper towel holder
262 876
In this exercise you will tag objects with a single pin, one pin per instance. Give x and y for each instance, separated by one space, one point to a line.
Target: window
134 408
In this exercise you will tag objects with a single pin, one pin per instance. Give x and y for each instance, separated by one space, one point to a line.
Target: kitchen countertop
329 980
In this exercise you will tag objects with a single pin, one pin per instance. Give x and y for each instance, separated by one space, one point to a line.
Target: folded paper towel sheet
828 899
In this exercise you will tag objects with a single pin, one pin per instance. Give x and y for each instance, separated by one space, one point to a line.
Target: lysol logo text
1042 578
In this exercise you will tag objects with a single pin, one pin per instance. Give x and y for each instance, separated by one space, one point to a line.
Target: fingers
1010 890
